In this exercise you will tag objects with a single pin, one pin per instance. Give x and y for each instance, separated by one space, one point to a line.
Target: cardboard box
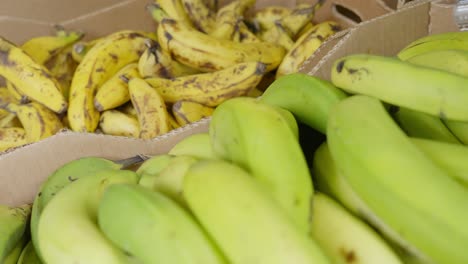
24 169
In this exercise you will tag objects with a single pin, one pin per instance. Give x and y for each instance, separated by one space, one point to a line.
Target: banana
376 156
299 17
42 49
427 90
30 78
154 62
68 230
213 88
38 121
344 237
309 98
62 67
203 52
128 109
153 228
114 92
15 254
100 63
13 90
434 42
277 35
116 123
172 121
239 126
11 137
211 4
150 107
421 125
173 8
255 92
81 48
459 129
28 255
455 61
202 18
267 16
304 30
221 194
228 17
6 98
151 167
305 46
243 34
186 112
13 224
330 180
196 145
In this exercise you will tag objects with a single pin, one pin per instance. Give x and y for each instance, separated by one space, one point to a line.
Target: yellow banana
299 17
100 63
80 49
211 4
244 35
187 112
116 123
150 107
154 62
114 92
277 34
44 48
203 19
11 137
228 18
6 98
29 77
172 121
8 119
304 30
128 109
305 46
13 90
213 88
203 52
173 8
62 67
267 16
38 121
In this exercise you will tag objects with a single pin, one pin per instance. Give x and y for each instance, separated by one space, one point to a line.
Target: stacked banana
144 84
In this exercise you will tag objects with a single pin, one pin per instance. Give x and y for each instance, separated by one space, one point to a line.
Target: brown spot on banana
100 69
349 255
339 66
5 60
115 57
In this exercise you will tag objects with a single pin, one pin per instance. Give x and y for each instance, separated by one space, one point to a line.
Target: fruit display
143 84
388 183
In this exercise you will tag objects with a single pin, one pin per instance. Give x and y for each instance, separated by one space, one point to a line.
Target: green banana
454 61
196 145
223 195
422 125
397 181
459 129
28 255
346 238
423 89
307 97
14 255
435 42
13 224
151 168
68 230
153 228
252 134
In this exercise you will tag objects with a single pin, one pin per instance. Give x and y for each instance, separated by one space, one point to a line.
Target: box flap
442 19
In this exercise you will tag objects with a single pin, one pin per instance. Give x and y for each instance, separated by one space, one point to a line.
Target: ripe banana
100 64
277 35
309 98
150 168
196 145
28 255
267 16
305 46
434 42
44 48
173 8
30 78
150 107
114 92
422 125
153 228
154 62
186 112
244 35
13 90
116 123
128 109
68 230
299 17
81 48
202 18
221 194
239 126
213 88
459 129
211 4
172 121
11 137
13 223
376 158
62 67
344 237
228 17
203 52
454 61
427 90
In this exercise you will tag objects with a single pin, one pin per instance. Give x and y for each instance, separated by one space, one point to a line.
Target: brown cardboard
22 170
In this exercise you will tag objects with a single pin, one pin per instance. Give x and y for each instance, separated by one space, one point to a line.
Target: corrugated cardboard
24 169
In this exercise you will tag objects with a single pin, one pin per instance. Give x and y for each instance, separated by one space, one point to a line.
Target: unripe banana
28 255
222 195
13 223
114 92
239 126
376 158
196 145
186 112
206 53
423 89
309 98
150 107
454 61
154 229
459 129
116 123
68 230
15 254
211 89
11 137
150 168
